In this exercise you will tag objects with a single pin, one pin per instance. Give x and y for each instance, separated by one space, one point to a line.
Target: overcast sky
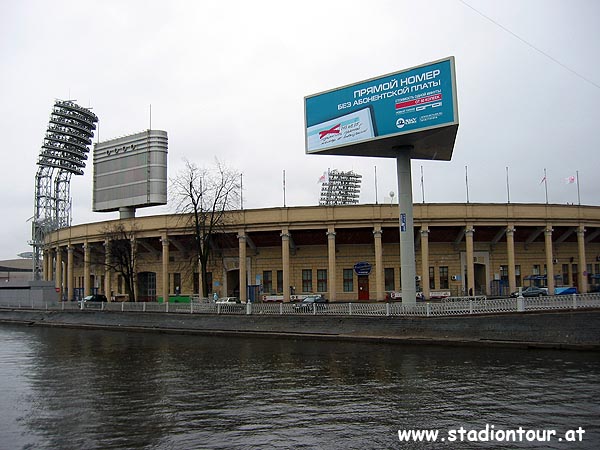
227 80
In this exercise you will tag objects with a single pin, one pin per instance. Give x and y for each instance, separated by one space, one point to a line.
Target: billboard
130 171
415 108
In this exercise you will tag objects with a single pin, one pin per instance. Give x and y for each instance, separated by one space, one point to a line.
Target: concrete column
58 277
48 264
63 295
87 290
407 237
242 257
379 272
165 269
107 271
425 261
44 263
331 278
134 264
469 231
582 272
285 261
70 277
510 249
549 259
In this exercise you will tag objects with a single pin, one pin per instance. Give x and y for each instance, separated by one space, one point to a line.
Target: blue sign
403 103
402 221
362 268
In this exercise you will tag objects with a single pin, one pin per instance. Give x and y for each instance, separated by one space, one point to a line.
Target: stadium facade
347 253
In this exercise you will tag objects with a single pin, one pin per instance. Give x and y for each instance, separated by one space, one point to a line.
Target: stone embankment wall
578 329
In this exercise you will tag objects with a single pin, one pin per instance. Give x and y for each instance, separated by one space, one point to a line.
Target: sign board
414 109
130 171
362 268
402 222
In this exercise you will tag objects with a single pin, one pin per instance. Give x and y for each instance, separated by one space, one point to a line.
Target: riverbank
577 329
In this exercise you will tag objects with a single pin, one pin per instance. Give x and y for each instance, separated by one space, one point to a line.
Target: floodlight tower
64 151
340 188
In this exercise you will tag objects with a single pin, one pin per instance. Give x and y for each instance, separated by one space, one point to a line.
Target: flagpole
422 186
241 191
546 185
467 182
507 186
284 188
578 195
376 202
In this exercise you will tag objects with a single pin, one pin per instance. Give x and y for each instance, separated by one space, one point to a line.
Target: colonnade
55 266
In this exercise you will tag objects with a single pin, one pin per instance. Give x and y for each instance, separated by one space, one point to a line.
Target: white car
228 301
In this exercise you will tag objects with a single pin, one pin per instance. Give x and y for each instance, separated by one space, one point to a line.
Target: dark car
95 298
532 291
310 302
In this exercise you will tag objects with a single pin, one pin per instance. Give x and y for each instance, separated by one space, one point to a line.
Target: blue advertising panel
362 268
399 109
402 221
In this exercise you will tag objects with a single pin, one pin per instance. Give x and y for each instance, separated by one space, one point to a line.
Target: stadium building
347 253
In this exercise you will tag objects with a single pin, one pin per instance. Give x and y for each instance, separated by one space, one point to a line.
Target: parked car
228 301
311 301
531 291
95 298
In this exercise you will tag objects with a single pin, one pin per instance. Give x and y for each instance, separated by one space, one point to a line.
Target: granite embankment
576 329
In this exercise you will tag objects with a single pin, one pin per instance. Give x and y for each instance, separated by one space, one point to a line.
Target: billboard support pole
407 240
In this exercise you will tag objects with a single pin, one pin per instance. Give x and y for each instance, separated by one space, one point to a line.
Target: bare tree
204 196
122 255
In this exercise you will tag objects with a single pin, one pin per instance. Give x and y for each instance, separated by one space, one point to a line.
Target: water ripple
90 389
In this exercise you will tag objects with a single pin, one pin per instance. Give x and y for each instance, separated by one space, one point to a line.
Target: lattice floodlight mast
64 151
340 188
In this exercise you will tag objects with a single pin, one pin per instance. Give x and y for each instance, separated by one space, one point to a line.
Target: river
86 389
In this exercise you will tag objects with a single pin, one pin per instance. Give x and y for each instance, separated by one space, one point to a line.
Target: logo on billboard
402 121
333 130
121 149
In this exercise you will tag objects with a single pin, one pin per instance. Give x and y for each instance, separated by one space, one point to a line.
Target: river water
82 389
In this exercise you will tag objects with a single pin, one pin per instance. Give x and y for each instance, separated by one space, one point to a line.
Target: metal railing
456 306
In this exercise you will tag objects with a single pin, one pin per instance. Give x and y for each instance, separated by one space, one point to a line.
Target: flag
323 178
570 180
543 179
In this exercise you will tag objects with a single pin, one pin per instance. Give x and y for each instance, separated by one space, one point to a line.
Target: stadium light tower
340 188
64 152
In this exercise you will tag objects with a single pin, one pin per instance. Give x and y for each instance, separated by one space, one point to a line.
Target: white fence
449 307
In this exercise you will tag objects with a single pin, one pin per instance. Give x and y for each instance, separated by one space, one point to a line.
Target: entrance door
480 284
363 287
147 287
233 283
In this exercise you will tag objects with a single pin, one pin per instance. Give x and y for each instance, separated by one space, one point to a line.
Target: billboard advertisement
130 171
414 108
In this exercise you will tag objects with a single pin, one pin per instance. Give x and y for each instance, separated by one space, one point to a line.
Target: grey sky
227 79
